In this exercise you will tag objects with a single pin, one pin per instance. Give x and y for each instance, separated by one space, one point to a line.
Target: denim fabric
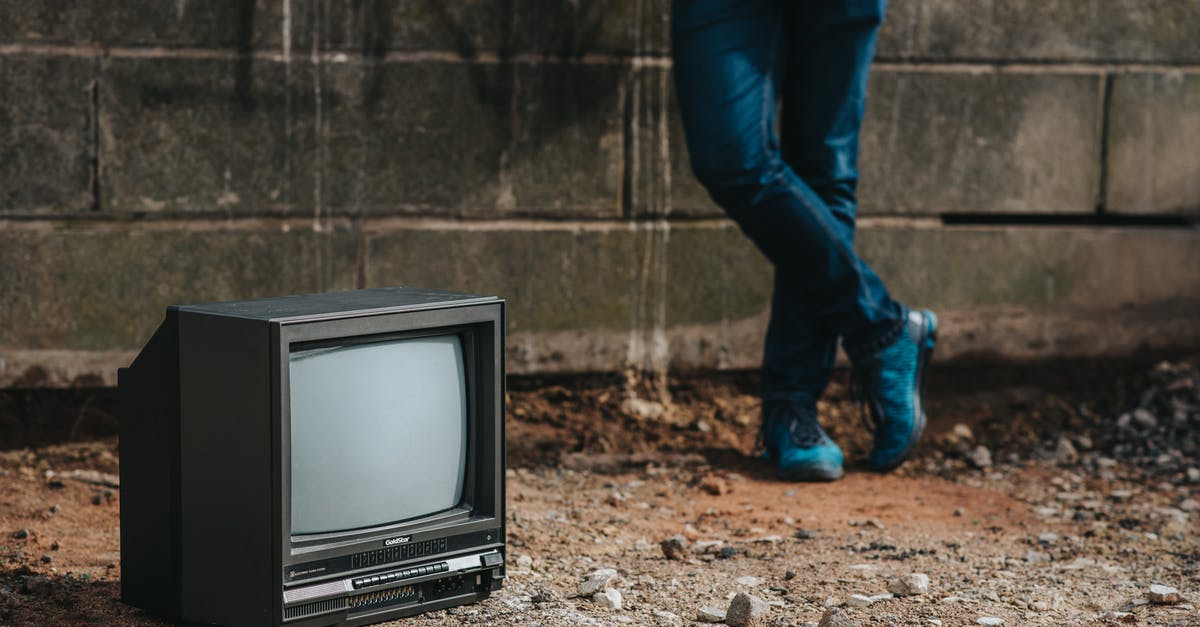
742 70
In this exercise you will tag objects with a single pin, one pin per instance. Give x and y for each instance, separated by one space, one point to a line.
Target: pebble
1048 537
1120 495
909 585
1164 595
20 534
708 614
609 599
597 581
1144 418
675 548
837 617
524 561
665 616
749 581
746 610
990 620
859 600
1193 475
980 456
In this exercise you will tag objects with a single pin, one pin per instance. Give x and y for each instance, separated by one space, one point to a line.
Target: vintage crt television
312 460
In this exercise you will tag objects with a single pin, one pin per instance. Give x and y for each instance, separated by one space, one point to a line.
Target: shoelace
803 427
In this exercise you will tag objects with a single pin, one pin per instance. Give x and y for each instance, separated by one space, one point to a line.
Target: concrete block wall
1030 169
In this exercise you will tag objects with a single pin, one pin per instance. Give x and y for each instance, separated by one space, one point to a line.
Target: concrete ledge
593 296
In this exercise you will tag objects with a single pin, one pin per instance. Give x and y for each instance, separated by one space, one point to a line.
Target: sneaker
797 445
891 383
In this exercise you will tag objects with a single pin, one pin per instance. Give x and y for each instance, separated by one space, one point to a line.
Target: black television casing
205 510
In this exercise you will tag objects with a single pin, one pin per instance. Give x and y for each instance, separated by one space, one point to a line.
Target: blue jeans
791 192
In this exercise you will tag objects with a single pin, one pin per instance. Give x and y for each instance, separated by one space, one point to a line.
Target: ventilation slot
316 607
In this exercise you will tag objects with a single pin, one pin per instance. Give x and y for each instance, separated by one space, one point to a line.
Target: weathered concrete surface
597 296
181 135
1154 143
1064 30
46 124
482 27
246 25
96 288
980 142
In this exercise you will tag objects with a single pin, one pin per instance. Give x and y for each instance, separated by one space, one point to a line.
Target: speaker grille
316 607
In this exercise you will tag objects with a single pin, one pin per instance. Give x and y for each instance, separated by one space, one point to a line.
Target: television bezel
480 327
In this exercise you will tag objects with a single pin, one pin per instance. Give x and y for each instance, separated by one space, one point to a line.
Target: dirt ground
1051 495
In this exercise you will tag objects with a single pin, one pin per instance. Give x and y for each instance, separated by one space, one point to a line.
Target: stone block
243 25
1040 30
477 28
46 126
1154 143
991 142
478 139
180 135
97 287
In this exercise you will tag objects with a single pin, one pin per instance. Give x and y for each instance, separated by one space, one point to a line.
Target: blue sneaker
797 445
891 383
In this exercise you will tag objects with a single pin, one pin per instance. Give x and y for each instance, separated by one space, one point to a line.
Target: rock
980 457
642 408
675 547
1064 452
837 617
1164 595
1189 505
666 617
804 534
20 534
708 614
859 600
597 581
1036 557
714 485
1143 418
1048 537
1193 475
749 581
609 599
524 561
909 585
989 620
37 584
726 552
746 610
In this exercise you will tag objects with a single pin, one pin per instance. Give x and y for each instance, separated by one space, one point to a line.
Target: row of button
391 554
407 573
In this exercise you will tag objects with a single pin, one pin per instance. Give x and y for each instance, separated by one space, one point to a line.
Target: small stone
54 546
726 552
708 614
789 575
46 559
1064 452
1048 537
54 509
1193 475
989 620
1164 595
675 547
96 500
911 584
959 512
524 561
608 599
837 617
746 610
962 432
714 485
859 600
1143 418
804 534
1189 505
1036 557
749 581
980 457
20 534
666 617
1120 495
597 581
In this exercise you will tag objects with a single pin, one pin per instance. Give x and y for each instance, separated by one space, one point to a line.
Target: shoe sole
929 331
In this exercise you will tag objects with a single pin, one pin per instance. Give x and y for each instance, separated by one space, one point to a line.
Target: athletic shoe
797 445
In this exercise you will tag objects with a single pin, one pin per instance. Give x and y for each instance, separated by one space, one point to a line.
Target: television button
442 544
443 567
491 559
354 561
358 583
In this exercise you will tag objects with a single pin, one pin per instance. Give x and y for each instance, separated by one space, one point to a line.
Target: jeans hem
867 348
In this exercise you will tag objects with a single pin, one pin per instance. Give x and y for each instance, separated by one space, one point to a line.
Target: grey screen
378 432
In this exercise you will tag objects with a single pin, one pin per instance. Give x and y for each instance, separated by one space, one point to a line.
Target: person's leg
727 63
728 56
824 94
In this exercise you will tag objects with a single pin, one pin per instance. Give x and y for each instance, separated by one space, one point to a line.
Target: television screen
378 432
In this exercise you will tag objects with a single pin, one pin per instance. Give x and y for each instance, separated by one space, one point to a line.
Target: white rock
1193 474
989 620
609 599
708 614
909 585
980 456
597 581
747 610
665 616
749 581
524 561
1048 537
859 600
1144 418
1164 595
